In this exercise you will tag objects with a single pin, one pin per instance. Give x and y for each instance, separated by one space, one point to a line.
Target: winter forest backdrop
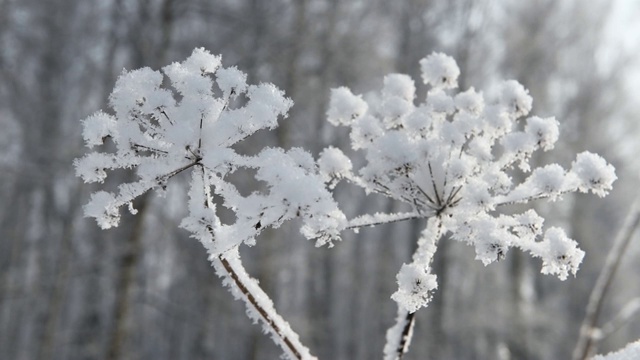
69 290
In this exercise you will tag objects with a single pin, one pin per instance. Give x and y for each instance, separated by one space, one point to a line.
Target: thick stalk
259 305
399 335
228 266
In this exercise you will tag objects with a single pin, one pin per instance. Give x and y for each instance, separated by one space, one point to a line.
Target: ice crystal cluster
191 123
458 158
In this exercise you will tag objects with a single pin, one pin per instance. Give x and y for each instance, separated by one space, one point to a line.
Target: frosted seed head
560 255
187 81
133 88
470 101
345 107
334 164
593 173
399 85
231 80
202 61
418 122
529 224
365 131
549 180
415 285
440 71
97 127
476 195
271 97
440 102
394 109
545 131
104 208
515 99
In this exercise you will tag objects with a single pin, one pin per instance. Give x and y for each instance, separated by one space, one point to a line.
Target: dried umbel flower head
454 156
192 126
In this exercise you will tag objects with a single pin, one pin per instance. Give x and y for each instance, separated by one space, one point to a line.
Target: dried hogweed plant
191 126
452 159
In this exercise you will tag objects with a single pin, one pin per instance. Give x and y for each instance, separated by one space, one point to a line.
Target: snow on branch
457 157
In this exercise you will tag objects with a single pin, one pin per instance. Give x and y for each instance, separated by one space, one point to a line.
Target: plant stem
585 343
259 305
228 265
400 334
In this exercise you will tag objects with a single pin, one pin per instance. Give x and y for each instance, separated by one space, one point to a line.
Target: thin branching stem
433 181
533 198
150 149
454 192
200 136
426 195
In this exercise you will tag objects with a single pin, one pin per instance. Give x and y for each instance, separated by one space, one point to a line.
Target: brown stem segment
406 334
399 335
229 265
268 320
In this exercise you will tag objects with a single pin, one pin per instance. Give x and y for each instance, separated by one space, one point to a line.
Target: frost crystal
454 158
161 134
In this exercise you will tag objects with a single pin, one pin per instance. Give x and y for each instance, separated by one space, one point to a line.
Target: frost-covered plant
455 159
191 125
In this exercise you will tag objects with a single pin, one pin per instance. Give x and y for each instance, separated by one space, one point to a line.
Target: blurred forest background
146 291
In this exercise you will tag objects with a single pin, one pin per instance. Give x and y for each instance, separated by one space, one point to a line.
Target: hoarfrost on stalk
415 284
